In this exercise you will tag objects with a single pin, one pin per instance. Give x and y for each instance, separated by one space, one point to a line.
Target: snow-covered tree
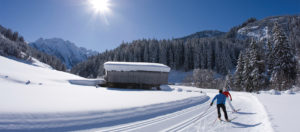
269 58
247 80
238 83
257 67
284 71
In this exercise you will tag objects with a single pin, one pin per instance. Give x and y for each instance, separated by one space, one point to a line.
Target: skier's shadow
242 125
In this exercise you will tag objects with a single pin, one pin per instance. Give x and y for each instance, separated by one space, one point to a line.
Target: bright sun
100 6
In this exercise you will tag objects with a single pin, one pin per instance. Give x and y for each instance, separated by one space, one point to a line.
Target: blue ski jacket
221 98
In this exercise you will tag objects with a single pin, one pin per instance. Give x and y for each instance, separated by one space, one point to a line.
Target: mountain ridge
66 51
203 34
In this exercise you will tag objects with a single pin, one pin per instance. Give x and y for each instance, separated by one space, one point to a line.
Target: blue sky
128 20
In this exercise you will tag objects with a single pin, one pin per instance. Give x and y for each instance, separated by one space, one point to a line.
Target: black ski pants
224 110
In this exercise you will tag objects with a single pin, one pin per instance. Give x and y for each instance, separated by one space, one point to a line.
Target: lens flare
100 6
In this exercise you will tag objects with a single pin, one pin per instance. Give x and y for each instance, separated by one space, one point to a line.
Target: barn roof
135 66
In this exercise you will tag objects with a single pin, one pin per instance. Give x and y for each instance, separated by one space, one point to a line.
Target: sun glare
100 6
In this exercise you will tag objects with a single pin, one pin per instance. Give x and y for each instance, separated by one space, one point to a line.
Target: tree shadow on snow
86 82
242 125
127 89
245 113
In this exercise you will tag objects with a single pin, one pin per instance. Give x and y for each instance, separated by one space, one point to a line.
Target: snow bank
166 88
272 92
295 89
276 92
289 92
135 66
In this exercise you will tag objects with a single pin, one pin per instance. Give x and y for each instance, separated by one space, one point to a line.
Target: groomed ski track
182 119
188 115
201 117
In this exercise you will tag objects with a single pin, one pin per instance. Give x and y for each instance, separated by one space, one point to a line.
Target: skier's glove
230 99
211 104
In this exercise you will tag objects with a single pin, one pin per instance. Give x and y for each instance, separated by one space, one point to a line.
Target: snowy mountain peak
261 30
65 50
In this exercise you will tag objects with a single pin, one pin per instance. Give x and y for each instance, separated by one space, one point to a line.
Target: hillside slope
66 51
14 46
203 34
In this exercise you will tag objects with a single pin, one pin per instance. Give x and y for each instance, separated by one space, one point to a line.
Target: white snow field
282 109
34 98
38 98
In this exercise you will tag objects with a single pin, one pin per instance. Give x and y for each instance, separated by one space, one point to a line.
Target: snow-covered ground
251 117
39 98
282 109
34 97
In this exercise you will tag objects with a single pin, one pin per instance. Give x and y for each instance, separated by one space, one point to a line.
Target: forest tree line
216 56
219 55
263 65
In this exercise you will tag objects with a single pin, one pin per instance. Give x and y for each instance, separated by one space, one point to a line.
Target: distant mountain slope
261 30
66 51
204 34
12 45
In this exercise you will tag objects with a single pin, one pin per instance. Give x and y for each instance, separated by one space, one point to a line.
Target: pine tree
15 36
247 80
239 72
21 39
186 64
196 55
146 53
284 71
257 68
269 58
171 58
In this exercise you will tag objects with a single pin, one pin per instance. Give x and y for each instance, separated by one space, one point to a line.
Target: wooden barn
135 74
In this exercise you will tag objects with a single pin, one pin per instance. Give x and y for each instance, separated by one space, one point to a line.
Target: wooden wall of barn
137 77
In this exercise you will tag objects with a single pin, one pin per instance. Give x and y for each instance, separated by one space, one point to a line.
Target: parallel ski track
191 121
131 127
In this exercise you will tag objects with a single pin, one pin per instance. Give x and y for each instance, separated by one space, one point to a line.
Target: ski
237 110
229 120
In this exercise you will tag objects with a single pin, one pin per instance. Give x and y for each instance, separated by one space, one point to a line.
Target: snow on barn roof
135 66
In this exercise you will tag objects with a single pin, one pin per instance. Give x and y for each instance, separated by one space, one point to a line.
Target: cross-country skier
226 90
221 98
227 94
